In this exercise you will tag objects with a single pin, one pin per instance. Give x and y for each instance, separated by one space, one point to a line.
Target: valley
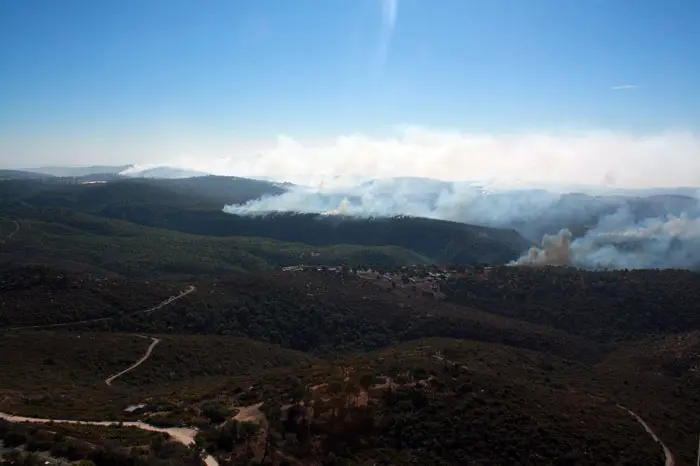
349 233
515 365
140 325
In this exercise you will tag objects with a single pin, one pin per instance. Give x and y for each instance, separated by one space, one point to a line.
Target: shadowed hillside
514 389
70 239
604 306
183 207
314 312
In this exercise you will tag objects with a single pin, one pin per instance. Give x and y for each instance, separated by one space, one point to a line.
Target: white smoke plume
619 242
556 250
616 229
518 181
514 179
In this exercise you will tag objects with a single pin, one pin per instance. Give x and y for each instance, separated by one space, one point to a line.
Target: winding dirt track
17 227
183 435
104 319
670 460
143 359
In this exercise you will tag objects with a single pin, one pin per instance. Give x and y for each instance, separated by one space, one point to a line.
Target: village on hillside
425 279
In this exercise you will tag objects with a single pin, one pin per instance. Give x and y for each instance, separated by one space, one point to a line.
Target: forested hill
75 191
20 175
84 242
310 311
194 206
440 241
604 306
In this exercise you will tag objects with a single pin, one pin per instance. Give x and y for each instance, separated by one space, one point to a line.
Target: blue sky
277 65
103 70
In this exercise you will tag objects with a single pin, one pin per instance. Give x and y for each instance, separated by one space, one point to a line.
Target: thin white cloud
390 9
624 86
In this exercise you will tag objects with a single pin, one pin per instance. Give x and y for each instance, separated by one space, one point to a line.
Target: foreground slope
444 402
407 405
64 374
604 306
519 392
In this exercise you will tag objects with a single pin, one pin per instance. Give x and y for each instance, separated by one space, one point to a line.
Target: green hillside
194 206
75 240
315 312
513 388
499 365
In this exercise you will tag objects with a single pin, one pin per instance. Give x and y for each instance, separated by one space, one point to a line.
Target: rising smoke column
620 243
555 250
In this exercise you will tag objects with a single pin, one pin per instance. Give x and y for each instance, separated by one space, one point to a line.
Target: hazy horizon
548 93
574 158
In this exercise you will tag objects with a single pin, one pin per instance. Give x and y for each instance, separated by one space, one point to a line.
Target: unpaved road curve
183 435
171 299
143 359
670 460
17 227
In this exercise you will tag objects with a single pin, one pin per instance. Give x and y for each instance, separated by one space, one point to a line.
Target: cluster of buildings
317 268
424 279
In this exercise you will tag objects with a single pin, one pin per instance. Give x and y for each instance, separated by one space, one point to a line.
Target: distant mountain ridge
77 171
21 175
131 170
162 172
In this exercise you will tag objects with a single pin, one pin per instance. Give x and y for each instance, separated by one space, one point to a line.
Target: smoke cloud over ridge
521 180
659 229
614 228
671 242
587 196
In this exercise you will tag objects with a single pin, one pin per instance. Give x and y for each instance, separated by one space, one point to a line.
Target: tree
15 439
366 382
13 457
84 463
216 412
352 390
297 390
334 388
420 373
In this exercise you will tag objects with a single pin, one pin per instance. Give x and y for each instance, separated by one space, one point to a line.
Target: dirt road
183 435
670 460
17 227
143 359
104 319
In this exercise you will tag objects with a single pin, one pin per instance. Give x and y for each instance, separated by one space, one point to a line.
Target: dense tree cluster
604 306
416 411
40 295
84 242
313 312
